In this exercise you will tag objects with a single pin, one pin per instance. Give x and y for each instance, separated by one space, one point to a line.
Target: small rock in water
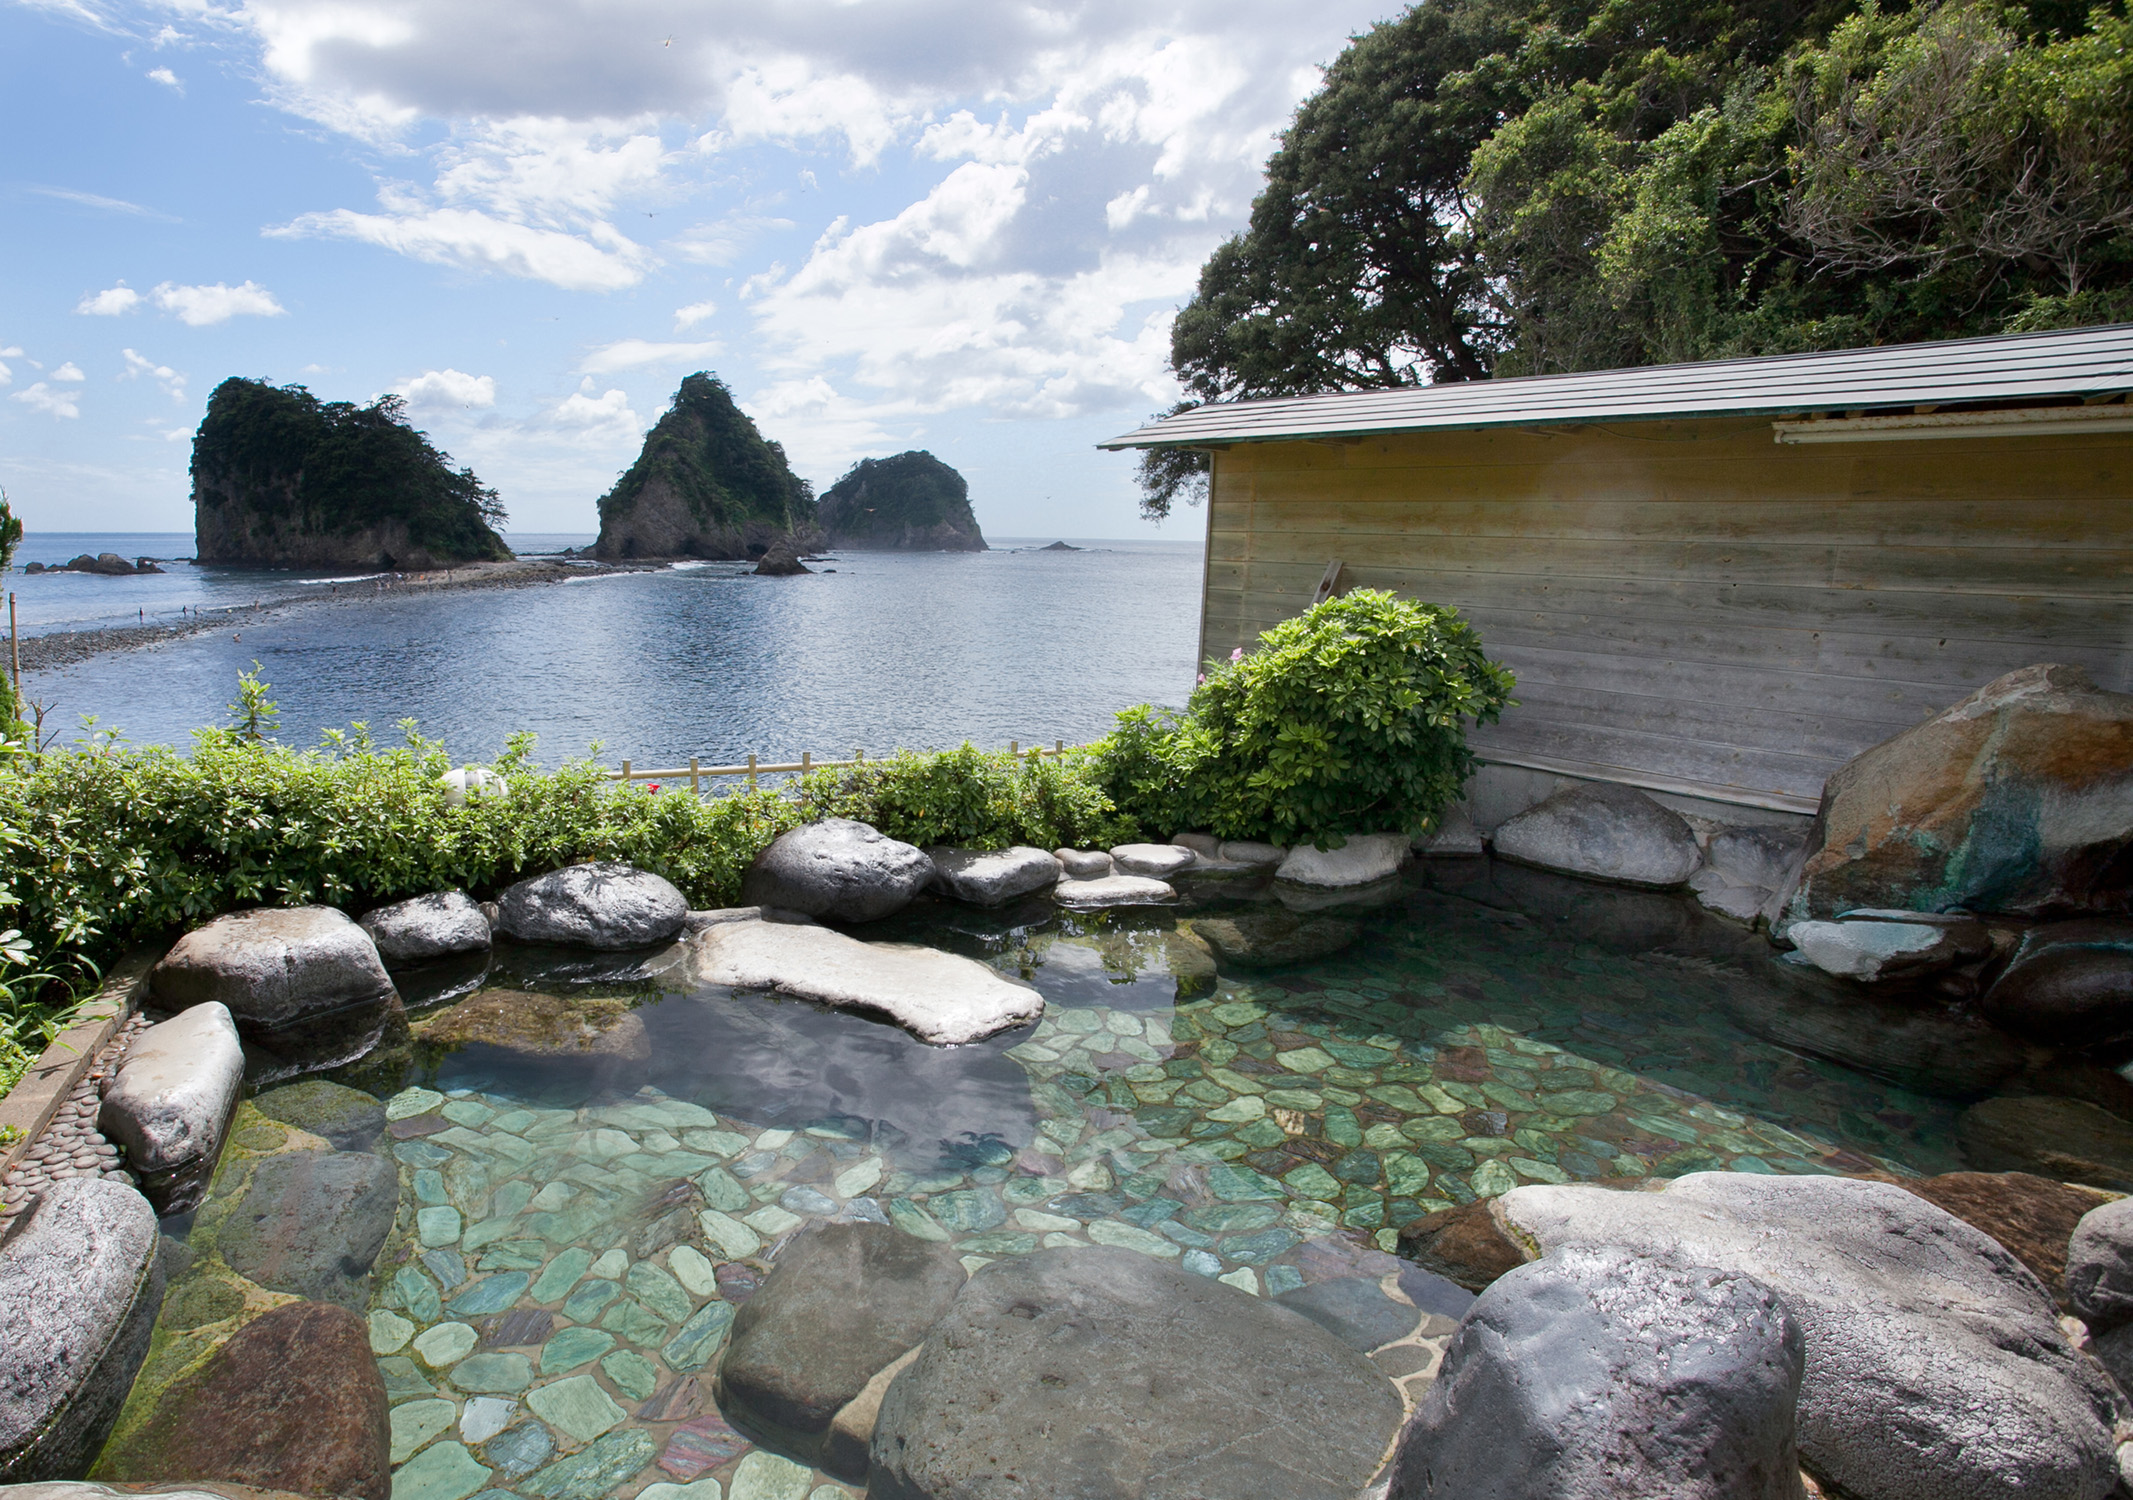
427 928
837 868
992 877
1084 864
311 1223
1871 951
2069 985
603 906
1363 859
1454 835
171 1102
1157 861
349 1118
1605 832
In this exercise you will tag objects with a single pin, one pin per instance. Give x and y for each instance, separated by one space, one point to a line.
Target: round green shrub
1349 718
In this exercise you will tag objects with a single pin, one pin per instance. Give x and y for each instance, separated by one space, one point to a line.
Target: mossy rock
529 1021
349 1118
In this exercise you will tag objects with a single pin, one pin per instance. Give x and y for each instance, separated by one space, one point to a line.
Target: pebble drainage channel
71 1145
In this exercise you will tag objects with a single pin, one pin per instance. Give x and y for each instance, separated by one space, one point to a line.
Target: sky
959 225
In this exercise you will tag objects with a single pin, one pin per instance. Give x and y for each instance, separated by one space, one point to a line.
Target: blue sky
955 224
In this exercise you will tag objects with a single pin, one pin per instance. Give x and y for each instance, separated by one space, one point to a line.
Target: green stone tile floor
566 1268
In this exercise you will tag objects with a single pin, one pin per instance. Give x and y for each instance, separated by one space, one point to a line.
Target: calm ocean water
890 650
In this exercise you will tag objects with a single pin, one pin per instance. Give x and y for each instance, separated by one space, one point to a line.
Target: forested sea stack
282 479
707 484
910 503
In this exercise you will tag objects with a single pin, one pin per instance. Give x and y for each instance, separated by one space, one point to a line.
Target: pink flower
1203 679
1237 655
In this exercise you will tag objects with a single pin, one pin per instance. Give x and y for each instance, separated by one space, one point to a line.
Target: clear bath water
548 1325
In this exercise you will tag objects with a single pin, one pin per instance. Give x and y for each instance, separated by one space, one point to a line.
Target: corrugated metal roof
2011 367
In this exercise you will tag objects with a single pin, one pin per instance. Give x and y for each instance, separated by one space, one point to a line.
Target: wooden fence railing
695 771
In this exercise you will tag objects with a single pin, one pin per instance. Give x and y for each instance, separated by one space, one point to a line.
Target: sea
874 651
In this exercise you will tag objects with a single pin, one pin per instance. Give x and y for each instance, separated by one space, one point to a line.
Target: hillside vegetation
283 479
707 483
1526 187
909 503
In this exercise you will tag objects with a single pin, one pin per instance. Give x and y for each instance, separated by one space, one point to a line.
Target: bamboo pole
751 770
696 785
757 767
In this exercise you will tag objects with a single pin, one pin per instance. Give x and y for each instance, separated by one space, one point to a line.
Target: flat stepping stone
1099 1371
937 997
171 1102
1157 861
1113 890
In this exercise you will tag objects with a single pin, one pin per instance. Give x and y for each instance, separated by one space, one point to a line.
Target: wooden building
1718 581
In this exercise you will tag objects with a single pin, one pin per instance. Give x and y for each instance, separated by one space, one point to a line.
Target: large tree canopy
1531 186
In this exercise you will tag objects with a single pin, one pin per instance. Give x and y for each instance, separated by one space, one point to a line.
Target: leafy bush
972 799
1347 719
105 846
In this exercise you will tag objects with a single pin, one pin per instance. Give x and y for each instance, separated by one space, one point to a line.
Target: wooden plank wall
1690 605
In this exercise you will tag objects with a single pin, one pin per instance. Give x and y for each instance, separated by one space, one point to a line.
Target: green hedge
971 799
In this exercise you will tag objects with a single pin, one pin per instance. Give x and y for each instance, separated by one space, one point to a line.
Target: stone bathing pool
581 1209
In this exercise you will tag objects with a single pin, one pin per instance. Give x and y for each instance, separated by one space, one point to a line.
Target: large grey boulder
605 906
1603 831
1113 890
841 1304
1871 951
1361 860
938 997
1603 1373
311 1223
80 1285
837 868
170 1102
1156 861
425 928
2099 1266
1935 1363
1102 1372
991 877
2069 984
275 967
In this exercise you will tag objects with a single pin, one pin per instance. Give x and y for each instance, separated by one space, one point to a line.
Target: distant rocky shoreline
65 648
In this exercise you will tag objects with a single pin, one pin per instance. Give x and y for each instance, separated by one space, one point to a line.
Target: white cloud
167 78
201 306
138 365
7 376
108 205
602 260
69 371
686 318
42 397
607 415
628 354
110 302
447 388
